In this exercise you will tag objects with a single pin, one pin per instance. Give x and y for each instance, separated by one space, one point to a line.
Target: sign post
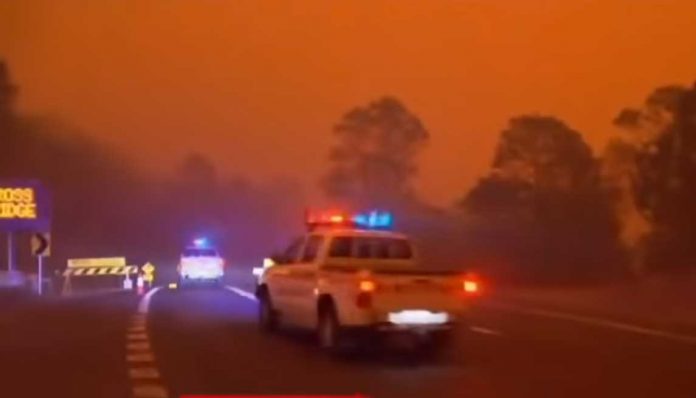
40 247
10 247
40 275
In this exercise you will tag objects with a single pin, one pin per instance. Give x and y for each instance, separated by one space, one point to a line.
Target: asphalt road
205 341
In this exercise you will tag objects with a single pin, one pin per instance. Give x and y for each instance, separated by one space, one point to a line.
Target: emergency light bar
374 219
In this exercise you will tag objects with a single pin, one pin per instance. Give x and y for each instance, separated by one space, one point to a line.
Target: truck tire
267 316
329 333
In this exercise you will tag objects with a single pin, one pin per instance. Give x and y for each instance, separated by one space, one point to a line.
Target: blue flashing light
374 220
200 242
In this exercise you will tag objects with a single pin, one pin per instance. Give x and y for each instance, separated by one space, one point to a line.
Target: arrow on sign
41 244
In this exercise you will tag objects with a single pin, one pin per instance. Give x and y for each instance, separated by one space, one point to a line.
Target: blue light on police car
200 242
374 220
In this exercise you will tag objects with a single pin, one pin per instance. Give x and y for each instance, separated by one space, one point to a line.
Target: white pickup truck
343 280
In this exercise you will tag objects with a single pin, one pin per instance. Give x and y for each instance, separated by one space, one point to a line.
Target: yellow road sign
148 268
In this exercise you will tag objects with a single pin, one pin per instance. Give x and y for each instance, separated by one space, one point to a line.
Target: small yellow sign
148 268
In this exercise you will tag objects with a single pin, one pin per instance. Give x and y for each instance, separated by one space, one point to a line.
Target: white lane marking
144 305
143 373
136 329
138 346
625 327
136 336
150 391
486 331
243 293
140 357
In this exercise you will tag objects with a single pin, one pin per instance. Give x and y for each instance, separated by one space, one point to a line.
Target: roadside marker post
10 251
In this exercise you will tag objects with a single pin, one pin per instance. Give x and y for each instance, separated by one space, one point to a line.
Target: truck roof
338 231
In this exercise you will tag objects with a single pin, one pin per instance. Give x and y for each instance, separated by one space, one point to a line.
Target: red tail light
470 286
367 286
364 299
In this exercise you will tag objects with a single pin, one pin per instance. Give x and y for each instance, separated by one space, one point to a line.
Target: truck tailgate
433 291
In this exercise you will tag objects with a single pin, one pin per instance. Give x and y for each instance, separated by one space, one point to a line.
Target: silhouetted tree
374 159
662 135
546 153
8 92
545 181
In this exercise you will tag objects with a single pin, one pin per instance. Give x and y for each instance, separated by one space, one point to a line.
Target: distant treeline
549 209
104 206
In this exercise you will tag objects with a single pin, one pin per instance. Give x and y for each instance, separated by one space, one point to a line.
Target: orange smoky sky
257 85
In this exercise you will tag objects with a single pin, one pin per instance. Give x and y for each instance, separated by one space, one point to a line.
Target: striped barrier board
101 270
97 262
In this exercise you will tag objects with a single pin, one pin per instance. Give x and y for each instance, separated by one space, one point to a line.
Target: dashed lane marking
138 346
143 370
140 357
144 373
243 293
486 331
150 391
588 320
136 329
136 336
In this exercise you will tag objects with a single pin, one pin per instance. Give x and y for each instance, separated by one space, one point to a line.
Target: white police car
200 263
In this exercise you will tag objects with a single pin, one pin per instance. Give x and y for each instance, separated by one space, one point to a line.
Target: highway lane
206 341
65 347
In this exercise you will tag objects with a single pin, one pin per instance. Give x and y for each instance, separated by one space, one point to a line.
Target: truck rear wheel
329 333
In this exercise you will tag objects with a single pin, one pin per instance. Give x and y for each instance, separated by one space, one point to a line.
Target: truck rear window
199 253
370 248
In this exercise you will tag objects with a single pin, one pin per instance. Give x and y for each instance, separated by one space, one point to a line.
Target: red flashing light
326 218
336 218
471 285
